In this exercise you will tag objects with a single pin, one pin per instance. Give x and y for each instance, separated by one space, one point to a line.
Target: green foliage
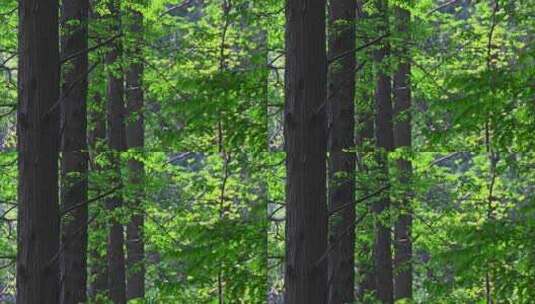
214 90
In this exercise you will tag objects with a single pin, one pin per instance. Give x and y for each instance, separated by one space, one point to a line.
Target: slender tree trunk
74 147
305 134
402 138
385 142
116 136
38 142
341 112
364 138
365 143
99 266
135 140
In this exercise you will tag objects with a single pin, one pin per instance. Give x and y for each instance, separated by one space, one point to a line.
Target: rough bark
135 287
305 140
38 223
341 138
385 142
402 138
116 136
74 148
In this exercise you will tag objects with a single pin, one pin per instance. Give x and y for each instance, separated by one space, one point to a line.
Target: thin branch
69 89
360 48
444 158
337 241
179 6
339 208
7 211
9 12
11 263
8 105
68 240
96 46
441 7
98 197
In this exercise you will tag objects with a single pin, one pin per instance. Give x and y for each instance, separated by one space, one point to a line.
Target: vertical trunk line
305 144
341 138
402 138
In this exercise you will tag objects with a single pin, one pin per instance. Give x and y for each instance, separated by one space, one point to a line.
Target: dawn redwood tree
98 264
305 143
116 137
38 222
365 110
98 282
135 140
402 139
365 134
74 148
341 138
384 138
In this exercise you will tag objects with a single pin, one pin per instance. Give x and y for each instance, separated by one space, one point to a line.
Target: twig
98 197
347 53
346 231
441 7
179 6
67 241
335 210
79 53
69 89
439 160
9 12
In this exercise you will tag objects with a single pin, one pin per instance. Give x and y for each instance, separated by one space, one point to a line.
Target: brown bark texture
385 143
38 222
341 139
74 152
116 137
135 287
306 144
402 138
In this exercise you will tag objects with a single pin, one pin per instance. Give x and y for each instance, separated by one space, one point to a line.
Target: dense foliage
215 171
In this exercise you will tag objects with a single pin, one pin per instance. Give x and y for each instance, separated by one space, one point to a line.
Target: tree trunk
365 138
365 142
38 142
135 140
117 143
402 138
341 94
385 143
305 140
98 284
99 266
74 147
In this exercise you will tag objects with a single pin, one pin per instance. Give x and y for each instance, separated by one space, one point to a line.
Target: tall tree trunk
116 136
74 147
341 112
305 140
98 284
305 134
135 140
99 265
385 142
365 138
365 142
38 144
402 138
